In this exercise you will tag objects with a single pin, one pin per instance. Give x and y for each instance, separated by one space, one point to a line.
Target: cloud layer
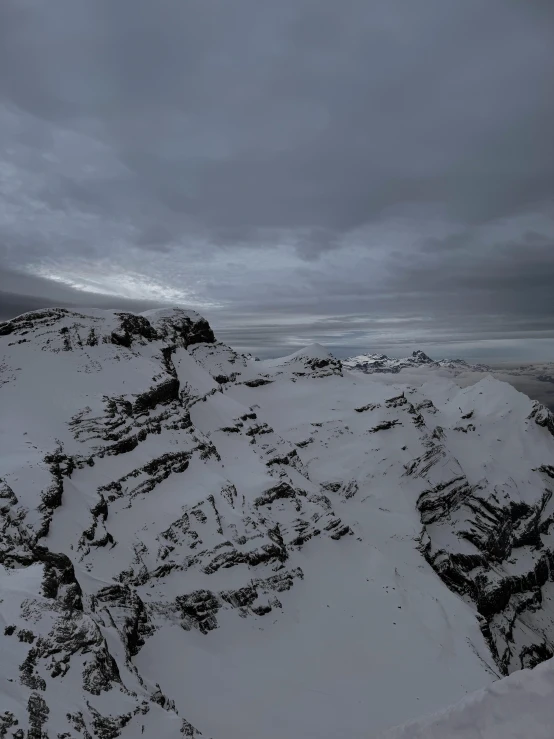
365 172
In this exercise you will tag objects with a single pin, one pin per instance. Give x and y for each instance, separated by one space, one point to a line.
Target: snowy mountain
370 363
535 379
197 543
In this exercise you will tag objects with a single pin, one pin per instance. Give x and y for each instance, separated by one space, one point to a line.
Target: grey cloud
304 115
311 159
156 236
514 276
21 293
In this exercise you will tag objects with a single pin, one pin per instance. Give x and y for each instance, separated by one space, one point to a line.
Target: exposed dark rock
132 328
183 328
464 429
229 492
280 582
349 489
241 598
134 625
231 557
304 531
222 379
188 730
7 497
92 338
532 656
497 527
421 358
30 320
438 433
438 502
385 426
157 470
257 382
7 721
426 405
165 392
277 492
417 419
77 722
38 713
330 365
258 429
397 401
199 609
59 578
421 466
337 529
288 459
100 673
542 416
108 727
368 407
547 469
28 675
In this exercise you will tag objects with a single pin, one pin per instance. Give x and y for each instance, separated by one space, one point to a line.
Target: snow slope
513 708
193 541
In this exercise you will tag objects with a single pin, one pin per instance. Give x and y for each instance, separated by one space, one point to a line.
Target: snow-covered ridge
370 363
194 541
513 708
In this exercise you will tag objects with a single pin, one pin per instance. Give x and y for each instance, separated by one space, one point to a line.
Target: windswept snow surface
517 707
196 543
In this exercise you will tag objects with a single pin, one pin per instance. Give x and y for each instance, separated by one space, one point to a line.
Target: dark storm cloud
298 114
302 157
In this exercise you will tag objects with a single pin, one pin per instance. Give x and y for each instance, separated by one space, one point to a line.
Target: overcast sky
370 174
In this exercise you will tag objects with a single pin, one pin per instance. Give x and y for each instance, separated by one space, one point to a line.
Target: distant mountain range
370 363
535 379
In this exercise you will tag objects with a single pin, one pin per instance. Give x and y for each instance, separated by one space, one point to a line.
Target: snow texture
197 543
517 707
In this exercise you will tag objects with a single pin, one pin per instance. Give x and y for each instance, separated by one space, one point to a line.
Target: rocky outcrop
174 327
200 608
542 416
495 550
129 614
131 328
181 328
385 426
28 321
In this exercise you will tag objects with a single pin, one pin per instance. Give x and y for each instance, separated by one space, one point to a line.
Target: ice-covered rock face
195 541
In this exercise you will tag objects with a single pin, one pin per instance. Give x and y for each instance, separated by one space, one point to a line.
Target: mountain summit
194 543
373 363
